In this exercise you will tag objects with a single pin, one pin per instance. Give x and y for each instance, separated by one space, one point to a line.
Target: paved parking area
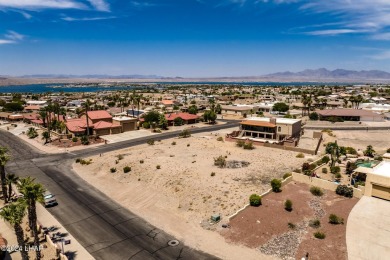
127 136
368 230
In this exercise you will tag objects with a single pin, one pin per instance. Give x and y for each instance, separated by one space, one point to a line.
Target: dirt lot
380 140
266 227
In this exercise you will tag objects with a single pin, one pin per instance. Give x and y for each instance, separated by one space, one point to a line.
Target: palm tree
32 193
11 179
14 213
46 136
42 113
4 158
86 106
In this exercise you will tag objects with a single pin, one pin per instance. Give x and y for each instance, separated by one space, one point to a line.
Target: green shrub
146 125
150 142
316 191
212 174
158 167
286 175
173 143
325 159
84 140
305 167
78 160
337 175
255 200
119 156
112 170
335 220
85 162
345 191
324 170
319 235
220 139
276 184
185 133
74 139
300 155
220 161
298 170
315 223
288 205
248 145
126 169
335 169
291 225
312 166
240 143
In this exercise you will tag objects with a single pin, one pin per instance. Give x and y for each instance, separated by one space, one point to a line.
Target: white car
49 199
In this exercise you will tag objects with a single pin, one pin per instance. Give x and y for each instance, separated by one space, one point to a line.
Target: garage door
381 192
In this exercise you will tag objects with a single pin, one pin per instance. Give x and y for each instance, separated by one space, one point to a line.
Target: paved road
103 227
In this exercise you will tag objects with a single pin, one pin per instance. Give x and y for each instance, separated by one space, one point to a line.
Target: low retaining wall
284 182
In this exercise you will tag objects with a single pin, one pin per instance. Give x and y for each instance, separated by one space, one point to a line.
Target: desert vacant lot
183 193
267 227
380 140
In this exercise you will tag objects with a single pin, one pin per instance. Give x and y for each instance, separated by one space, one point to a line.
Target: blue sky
192 38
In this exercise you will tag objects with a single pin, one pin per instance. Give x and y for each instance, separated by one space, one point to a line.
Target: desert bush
112 170
141 161
335 220
220 161
291 225
300 155
298 170
305 167
255 200
158 167
212 174
312 166
150 142
248 146
126 169
315 223
338 176
325 159
319 235
74 139
345 191
157 130
84 140
288 205
316 191
220 139
78 160
276 184
240 143
119 156
286 175
188 145
185 133
324 170
85 162
32 133
350 150
335 169
173 143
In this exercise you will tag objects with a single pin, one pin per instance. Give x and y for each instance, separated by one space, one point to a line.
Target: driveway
127 136
368 230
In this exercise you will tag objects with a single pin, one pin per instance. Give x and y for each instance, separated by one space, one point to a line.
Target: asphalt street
107 230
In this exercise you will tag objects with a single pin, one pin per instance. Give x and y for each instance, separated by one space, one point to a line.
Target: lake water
56 88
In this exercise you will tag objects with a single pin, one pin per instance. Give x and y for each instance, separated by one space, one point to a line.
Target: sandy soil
182 194
380 140
266 227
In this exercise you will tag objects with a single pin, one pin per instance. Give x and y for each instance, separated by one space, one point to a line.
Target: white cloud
72 19
333 32
25 15
384 55
2 41
40 4
14 36
381 36
100 5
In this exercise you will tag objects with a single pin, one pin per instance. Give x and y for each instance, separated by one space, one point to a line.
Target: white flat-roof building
40 103
377 181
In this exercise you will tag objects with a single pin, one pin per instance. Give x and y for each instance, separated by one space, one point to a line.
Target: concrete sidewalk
368 230
47 220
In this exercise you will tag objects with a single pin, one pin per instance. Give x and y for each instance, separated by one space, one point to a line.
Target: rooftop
278 120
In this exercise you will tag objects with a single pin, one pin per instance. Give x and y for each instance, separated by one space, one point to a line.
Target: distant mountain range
332 74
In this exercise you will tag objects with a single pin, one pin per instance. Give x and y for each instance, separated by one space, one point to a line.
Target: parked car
49 199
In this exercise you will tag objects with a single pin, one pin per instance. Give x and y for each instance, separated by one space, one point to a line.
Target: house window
279 129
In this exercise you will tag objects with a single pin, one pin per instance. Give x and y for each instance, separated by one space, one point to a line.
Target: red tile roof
99 114
167 102
37 121
104 125
184 116
76 125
